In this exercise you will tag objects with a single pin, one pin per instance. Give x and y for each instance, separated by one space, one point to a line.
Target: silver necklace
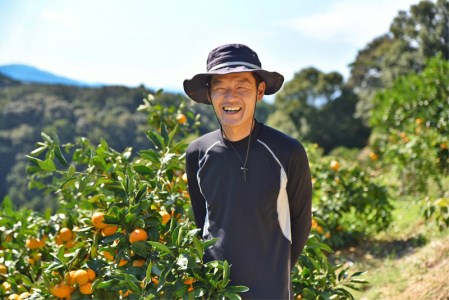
243 168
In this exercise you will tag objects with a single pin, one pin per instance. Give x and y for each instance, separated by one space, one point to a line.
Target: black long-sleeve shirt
262 224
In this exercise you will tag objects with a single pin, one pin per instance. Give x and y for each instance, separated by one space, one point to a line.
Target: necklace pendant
244 170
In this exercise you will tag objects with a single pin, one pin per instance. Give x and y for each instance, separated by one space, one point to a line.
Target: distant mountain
29 74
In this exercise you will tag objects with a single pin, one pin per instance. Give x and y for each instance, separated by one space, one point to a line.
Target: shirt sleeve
196 198
299 190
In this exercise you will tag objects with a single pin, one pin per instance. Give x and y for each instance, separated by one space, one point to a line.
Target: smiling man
249 184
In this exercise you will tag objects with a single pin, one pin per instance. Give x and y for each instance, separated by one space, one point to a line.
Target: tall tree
320 108
414 36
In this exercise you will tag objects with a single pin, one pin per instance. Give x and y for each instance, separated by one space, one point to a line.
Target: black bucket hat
230 58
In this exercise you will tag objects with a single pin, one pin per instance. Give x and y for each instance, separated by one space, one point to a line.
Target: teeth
231 108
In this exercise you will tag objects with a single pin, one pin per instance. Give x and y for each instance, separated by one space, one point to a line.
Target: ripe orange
138 263
91 274
165 216
71 277
122 262
181 118
97 220
189 280
155 280
34 243
65 234
108 255
138 235
62 290
335 165
81 277
3 269
110 230
443 146
13 297
86 289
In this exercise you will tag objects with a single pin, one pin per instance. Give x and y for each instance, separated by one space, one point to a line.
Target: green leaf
148 272
172 134
143 170
209 243
156 139
60 156
150 155
71 171
160 247
237 288
38 151
164 133
103 284
131 283
225 273
47 165
46 137
198 247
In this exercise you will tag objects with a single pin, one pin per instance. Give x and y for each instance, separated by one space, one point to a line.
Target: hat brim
197 87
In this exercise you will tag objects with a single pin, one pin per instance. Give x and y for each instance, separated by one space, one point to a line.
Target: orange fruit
443 146
91 274
165 216
138 263
86 289
6 285
81 277
189 281
3 269
70 244
122 262
138 235
58 240
97 220
181 118
65 234
71 277
108 255
335 165
13 297
314 223
62 290
155 280
110 230
34 243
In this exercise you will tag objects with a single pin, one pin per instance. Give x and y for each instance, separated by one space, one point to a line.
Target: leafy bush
348 202
123 227
411 126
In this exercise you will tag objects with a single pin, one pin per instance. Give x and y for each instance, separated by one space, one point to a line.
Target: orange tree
348 202
411 132
123 228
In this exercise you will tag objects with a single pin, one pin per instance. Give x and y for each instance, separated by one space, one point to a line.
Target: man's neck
236 134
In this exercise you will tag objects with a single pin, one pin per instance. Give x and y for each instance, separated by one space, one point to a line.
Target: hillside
30 74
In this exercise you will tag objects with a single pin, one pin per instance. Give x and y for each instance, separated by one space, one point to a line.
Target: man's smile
231 108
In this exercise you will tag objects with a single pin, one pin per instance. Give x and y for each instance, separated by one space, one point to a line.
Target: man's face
234 98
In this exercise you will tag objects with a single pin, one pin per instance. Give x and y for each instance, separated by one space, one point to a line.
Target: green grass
398 259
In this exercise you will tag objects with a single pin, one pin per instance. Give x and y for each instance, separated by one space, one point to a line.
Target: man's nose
230 94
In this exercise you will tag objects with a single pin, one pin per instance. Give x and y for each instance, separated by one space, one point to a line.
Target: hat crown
232 54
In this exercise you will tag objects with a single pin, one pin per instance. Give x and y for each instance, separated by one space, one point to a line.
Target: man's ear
261 90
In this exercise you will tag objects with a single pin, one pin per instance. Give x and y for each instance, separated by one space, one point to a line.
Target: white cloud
350 21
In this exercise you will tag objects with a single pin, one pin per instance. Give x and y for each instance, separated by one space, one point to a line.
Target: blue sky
160 43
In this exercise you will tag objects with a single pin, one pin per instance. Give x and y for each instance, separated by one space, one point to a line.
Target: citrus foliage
411 121
348 202
123 228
